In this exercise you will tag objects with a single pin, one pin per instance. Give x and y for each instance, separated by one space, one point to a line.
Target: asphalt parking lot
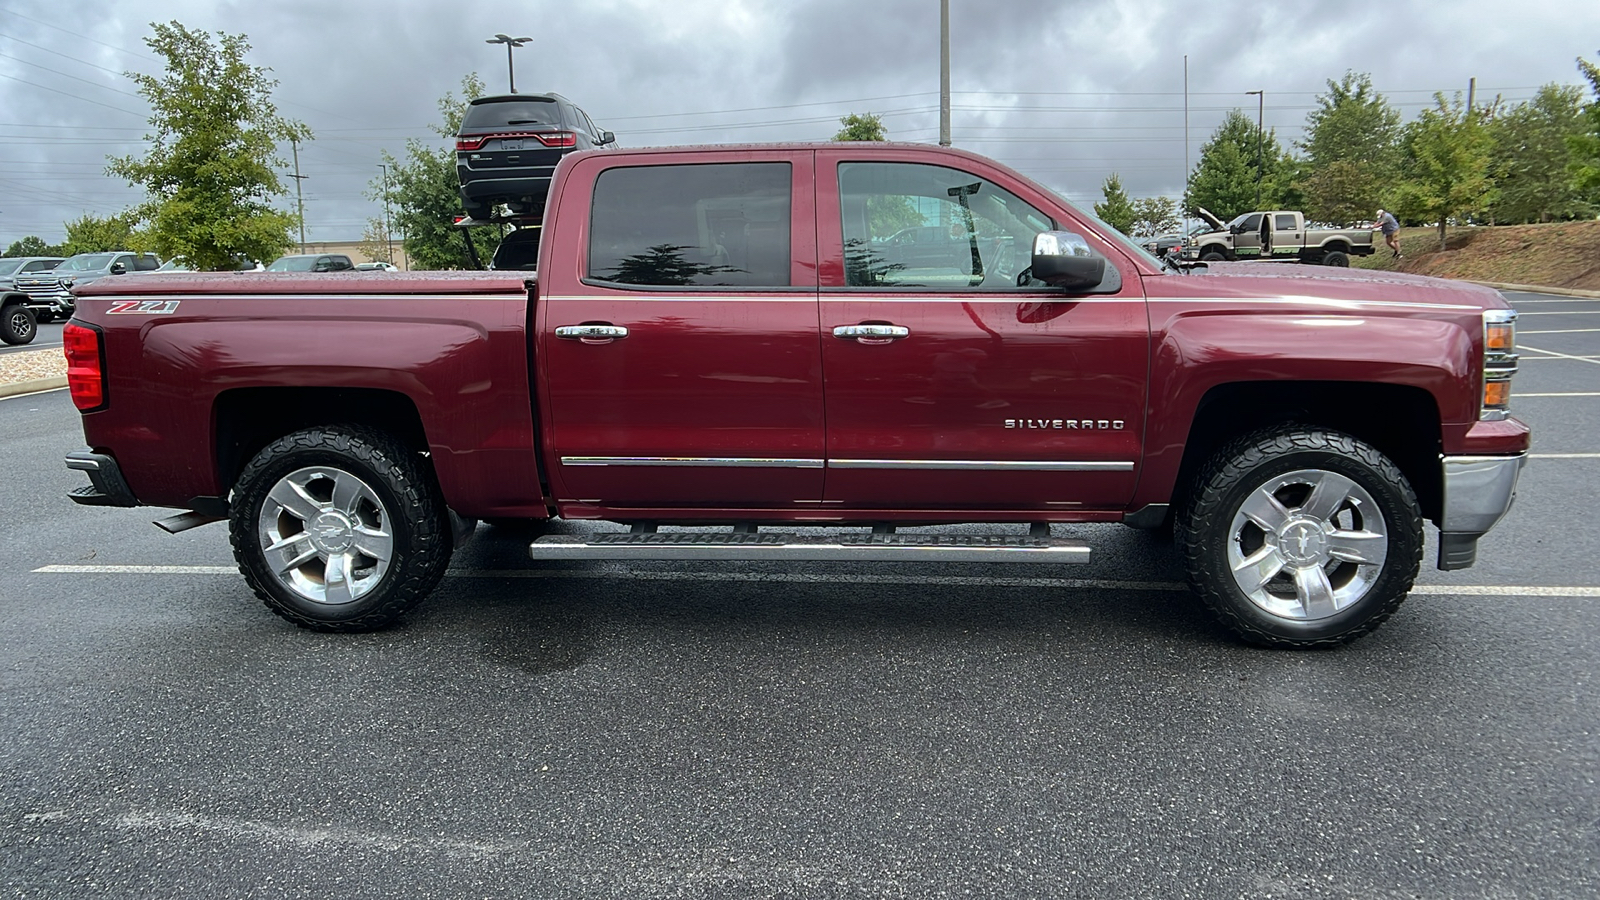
690 730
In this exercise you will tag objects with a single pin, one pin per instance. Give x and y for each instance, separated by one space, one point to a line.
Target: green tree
1533 159
861 127
209 175
88 234
1154 215
1117 210
32 245
424 193
1225 179
1352 147
1585 144
1447 151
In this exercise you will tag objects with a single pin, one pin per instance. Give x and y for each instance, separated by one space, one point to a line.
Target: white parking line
1564 455
1569 394
1445 590
1569 312
1559 331
1554 355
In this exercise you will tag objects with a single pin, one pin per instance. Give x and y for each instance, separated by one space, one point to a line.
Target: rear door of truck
677 333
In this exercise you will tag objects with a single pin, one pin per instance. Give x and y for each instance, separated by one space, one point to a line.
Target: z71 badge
144 307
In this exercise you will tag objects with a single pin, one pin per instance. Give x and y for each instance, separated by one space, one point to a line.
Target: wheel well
1402 422
1336 246
250 418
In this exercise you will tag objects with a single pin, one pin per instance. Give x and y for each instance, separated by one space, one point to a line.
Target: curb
19 388
1540 289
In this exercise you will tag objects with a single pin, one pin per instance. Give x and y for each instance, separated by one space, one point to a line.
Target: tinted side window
717 224
908 224
127 262
146 263
1283 222
1251 223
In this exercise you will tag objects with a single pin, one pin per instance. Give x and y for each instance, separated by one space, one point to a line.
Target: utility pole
299 198
388 241
944 73
1261 105
1185 210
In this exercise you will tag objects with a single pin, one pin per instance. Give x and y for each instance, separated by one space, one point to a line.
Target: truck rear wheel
1336 258
339 528
1299 537
17 324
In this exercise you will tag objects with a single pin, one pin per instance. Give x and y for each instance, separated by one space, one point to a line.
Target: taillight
472 143
86 376
558 139
1499 362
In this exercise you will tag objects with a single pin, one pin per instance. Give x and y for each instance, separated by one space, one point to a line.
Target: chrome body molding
1478 491
968 465
731 462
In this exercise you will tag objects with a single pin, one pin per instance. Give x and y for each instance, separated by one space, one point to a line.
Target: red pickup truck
731 336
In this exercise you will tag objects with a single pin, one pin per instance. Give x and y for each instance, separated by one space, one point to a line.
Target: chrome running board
747 547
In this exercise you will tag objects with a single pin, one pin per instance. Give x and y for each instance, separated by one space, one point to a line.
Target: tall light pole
388 241
510 42
944 73
1261 105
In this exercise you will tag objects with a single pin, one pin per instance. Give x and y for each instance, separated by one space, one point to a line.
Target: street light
1261 105
510 42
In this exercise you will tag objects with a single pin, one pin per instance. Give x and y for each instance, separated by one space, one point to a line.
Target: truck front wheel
339 528
1299 537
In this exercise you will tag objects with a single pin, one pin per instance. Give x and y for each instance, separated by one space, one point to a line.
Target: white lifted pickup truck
1289 239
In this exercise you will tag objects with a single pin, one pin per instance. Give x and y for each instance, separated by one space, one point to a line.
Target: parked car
312 262
173 265
518 250
25 265
376 267
1162 244
509 145
50 292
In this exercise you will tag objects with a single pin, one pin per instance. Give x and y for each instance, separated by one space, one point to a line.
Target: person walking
1390 226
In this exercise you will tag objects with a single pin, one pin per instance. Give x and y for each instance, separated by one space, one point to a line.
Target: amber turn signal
1497 394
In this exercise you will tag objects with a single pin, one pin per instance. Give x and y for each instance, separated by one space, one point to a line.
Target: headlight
1499 362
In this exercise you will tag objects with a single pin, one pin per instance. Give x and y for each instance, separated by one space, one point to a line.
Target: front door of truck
948 385
678 337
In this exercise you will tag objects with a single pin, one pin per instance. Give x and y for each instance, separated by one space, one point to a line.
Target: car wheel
17 324
339 529
1212 256
1336 258
1301 537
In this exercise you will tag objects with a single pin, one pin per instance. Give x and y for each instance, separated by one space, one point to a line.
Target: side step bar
745 547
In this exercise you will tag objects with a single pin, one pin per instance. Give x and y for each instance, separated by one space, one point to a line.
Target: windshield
173 265
293 264
7 266
88 262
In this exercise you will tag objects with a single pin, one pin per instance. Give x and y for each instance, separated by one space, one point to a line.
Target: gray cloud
1067 92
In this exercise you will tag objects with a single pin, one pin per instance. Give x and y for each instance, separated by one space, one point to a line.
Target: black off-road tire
17 324
401 493
1336 258
1213 256
1213 525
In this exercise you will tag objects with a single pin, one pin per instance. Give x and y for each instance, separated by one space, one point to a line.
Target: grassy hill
1564 254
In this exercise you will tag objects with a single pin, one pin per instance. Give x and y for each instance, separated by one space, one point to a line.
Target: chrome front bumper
1478 491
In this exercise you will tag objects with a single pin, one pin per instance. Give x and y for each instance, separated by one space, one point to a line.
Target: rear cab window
702 225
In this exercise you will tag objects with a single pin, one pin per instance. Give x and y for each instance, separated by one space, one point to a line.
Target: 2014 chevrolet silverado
729 336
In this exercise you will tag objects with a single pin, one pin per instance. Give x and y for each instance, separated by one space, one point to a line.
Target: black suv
509 146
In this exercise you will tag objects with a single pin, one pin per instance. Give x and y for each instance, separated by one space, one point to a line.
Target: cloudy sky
1067 91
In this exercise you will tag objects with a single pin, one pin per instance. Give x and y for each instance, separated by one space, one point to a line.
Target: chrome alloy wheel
325 535
1307 544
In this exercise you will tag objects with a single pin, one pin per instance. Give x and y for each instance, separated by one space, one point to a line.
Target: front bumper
58 301
1478 491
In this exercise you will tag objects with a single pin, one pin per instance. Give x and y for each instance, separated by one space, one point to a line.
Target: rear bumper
1478 492
106 486
530 184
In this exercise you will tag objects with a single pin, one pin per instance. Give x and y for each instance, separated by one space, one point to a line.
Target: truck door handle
871 334
592 333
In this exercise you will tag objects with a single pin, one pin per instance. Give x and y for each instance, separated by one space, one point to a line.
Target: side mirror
1063 259
607 137
118 269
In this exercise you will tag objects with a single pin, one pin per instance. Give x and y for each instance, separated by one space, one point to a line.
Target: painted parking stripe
1521 396
1551 354
1477 590
1559 331
1564 455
